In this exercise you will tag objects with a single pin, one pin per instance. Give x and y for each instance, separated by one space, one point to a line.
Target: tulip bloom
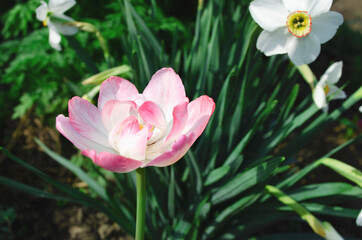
129 130
52 15
326 86
295 27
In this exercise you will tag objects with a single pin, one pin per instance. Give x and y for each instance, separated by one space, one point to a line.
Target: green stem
308 75
141 203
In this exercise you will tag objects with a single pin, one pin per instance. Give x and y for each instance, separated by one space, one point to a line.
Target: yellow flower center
299 23
45 23
326 90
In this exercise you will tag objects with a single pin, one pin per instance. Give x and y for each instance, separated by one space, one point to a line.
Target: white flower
331 233
296 27
359 218
326 86
52 15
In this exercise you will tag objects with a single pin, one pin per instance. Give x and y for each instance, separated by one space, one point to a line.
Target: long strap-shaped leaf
77 195
74 169
33 191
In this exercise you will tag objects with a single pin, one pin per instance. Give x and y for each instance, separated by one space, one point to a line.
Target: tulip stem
141 203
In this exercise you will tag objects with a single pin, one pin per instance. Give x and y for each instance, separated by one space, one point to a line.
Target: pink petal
115 111
80 141
166 90
86 120
116 88
151 114
130 138
179 149
112 162
199 113
180 117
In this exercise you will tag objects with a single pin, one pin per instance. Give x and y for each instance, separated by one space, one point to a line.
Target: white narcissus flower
359 218
331 233
52 15
326 86
296 27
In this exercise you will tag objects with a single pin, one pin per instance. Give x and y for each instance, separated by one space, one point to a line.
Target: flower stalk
141 203
200 4
308 75
87 27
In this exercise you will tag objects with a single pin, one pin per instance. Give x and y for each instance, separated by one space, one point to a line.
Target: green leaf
313 222
246 180
216 175
33 191
81 197
319 190
223 218
195 171
74 169
260 119
100 77
182 228
284 236
343 169
327 210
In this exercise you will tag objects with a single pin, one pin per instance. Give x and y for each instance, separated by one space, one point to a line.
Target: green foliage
17 21
30 67
262 118
7 217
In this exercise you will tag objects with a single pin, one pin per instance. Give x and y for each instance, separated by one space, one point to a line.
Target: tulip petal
313 7
130 138
86 120
304 50
179 149
116 88
166 90
115 111
325 25
180 117
112 162
274 42
151 114
268 14
199 113
54 37
60 6
333 73
67 130
42 11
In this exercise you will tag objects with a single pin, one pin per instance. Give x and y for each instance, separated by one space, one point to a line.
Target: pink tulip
129 130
